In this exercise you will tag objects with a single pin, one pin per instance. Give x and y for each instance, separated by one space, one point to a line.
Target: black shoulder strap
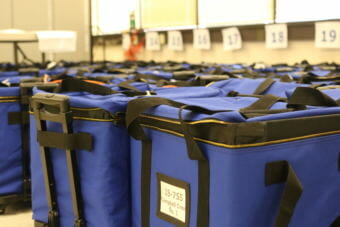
76 85
279 172
311 97
263 103
128 85
264 86
138 106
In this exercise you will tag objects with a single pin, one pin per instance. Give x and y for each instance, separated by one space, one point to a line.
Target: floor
18 215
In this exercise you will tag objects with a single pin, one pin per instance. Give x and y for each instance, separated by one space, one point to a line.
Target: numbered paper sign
202 39
232 39
276 36
153 41
126 41
175 40
327 34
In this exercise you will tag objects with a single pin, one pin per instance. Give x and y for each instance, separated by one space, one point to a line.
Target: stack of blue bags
146 144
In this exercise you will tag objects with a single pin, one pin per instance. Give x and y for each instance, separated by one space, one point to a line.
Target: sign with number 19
327 34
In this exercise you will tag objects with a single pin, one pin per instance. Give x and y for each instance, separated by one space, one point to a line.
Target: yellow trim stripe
160 119
9 100
87 119
191 123
92 119
84 109
211 83
245 145
210 121
9 97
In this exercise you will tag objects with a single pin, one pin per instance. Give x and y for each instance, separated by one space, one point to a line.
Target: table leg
16 60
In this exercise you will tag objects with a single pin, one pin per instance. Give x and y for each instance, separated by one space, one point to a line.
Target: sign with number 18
276 36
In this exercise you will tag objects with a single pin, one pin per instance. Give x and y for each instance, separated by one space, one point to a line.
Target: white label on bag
232 39
327 34
173 201
126 41
277 36
202 39
152 41
175 40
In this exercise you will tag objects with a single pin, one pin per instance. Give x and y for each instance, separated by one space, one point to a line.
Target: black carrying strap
128 85
279 172
75 141
135 108
264 86
196 153
40 224
138 106
76 85
140 76
17 118
184 75
311 97
336 223
263 103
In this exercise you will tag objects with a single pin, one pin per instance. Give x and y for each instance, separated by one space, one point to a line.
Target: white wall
301 47
35 15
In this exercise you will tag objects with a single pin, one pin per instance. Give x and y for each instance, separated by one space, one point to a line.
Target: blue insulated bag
14 156
209 162
11 155
95 179
80 165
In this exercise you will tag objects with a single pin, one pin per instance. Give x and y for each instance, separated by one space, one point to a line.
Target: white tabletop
17 36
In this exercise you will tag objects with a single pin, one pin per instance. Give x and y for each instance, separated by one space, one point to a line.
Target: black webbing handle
74 141
76 85
263 103
311 97
128 85
196 153
279 172
264 86
138 106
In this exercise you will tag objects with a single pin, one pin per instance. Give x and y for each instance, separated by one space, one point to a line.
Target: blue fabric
238 195
11 171
248 86
104 172
161 74
52 71
9 74
15 79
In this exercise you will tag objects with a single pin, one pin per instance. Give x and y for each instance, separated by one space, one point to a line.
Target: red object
135 47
